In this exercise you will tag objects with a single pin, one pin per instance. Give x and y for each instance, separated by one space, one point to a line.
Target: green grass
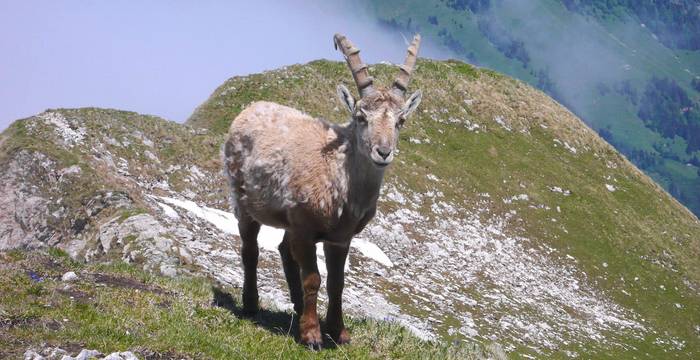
116 306
638 230
629 229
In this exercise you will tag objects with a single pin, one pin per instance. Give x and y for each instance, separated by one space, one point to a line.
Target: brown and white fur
316 180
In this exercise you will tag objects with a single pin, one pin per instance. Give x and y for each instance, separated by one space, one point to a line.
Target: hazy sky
164 57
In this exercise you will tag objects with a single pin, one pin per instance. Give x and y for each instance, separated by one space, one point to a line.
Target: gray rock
69 277
86 354
55 353
167 270
24 209
32 355
126 355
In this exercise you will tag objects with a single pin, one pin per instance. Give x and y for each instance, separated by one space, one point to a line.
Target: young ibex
316 180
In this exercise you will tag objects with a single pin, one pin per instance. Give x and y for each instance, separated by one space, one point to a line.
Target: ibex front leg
336 256
304 252
249 229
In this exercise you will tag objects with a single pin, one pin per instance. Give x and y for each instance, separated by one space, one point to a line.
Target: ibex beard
316 180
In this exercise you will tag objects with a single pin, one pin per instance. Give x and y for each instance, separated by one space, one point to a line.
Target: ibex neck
364 178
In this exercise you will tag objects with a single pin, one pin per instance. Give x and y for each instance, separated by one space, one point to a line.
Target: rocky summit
505 222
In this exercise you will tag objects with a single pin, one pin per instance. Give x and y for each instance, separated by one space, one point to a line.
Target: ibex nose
384 151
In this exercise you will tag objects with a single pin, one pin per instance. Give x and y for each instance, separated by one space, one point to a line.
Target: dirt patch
32 322
76 295
125 282
11 322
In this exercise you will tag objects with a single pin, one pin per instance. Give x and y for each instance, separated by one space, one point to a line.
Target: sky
166 57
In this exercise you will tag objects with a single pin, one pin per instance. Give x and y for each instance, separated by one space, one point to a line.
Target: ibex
316 180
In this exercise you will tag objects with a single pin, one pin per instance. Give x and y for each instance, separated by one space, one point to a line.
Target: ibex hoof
312 339
340 337
343 337
314 346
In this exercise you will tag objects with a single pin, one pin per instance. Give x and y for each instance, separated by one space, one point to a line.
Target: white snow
223 220
371 251
269 238
168 211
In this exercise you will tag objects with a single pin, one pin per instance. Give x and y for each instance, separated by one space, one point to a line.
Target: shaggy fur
316 180
280 158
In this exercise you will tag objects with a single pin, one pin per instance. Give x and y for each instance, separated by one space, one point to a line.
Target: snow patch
371 251
269 238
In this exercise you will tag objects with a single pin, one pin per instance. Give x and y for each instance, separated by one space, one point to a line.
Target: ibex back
316 180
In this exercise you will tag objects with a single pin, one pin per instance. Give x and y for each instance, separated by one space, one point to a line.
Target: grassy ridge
113 307
479 131
644 237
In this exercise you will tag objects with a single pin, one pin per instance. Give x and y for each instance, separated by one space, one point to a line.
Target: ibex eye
399 123
361 116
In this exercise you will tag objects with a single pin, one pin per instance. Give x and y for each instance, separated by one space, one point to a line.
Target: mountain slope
117 306
504 218
604 60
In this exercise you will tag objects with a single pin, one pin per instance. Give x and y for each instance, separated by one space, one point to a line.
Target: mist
579 53
166 57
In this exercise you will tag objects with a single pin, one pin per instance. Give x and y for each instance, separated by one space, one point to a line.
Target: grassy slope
116 306
628 43
639 231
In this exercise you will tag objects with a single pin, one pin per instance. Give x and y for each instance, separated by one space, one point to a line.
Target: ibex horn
358 69
405 70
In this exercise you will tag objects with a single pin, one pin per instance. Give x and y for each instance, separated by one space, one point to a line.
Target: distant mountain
629 69
504 218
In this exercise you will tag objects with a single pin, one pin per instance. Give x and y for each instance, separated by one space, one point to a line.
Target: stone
86 354
32 355
168 270
69 277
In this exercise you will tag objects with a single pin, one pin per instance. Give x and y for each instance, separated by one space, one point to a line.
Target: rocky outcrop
25 214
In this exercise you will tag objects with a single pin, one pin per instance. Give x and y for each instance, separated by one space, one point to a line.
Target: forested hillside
676 23
629 69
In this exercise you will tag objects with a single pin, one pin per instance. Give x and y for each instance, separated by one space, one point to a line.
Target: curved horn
358 69
405 70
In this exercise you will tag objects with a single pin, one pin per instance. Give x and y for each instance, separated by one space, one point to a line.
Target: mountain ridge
512 196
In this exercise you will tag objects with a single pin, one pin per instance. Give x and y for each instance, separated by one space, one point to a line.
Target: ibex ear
346 98
411 104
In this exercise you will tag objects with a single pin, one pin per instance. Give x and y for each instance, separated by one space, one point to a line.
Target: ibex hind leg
249 229
291 272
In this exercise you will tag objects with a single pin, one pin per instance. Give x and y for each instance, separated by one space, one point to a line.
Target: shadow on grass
274 321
